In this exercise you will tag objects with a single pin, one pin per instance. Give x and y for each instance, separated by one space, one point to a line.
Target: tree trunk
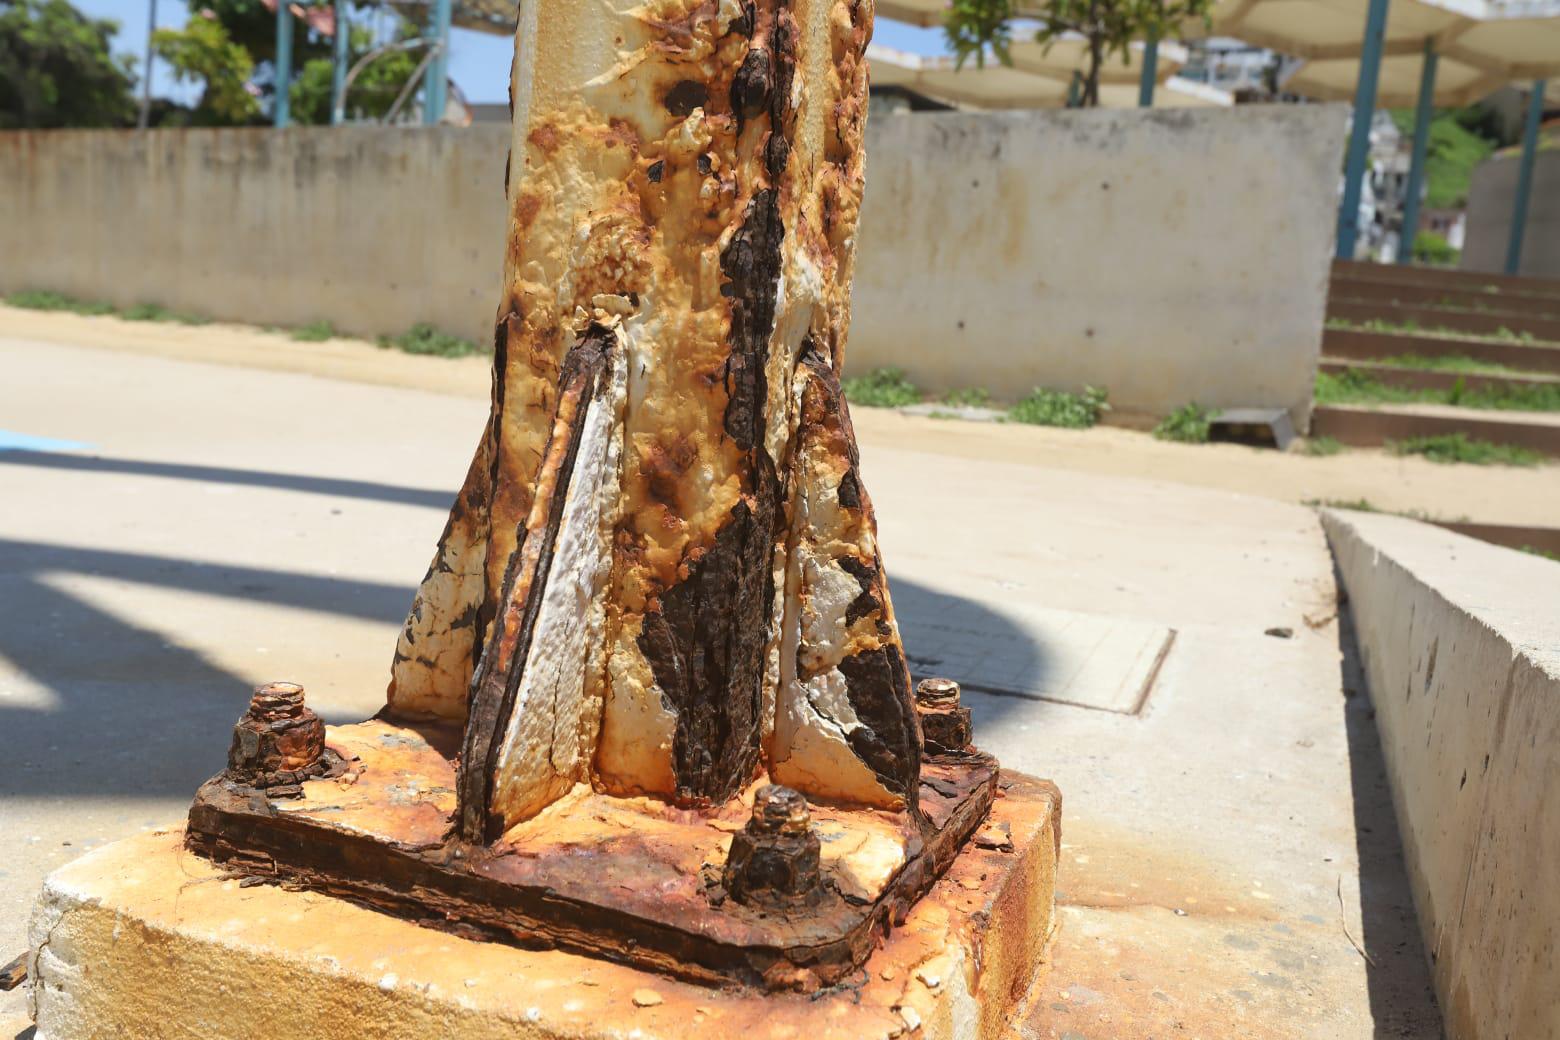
661 576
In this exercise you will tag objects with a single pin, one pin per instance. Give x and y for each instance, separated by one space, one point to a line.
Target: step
1478 323
1431 379
1407 295
1372 427
1471 281
1359 345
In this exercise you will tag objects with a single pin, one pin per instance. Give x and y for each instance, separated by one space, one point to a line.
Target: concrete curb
1460 647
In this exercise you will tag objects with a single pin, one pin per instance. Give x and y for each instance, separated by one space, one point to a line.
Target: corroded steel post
663 555
658 608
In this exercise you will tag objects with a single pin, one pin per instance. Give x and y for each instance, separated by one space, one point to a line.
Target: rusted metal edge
499 670
13 974
446 888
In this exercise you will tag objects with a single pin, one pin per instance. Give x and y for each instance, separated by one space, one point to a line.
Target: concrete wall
1458 642
1490 199
1168 255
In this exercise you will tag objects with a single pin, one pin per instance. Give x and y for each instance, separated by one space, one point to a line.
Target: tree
204 52
56 69
1109 26
373 91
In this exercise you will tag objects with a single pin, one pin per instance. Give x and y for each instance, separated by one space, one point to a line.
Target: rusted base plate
143 939
634 880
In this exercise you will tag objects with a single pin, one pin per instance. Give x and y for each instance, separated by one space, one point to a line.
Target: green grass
43 300
1452 448
425 339
1447 363
1322 446
157 312
314 332
882 388
1060 408
1411 327
1451 154
1188 424
1355 386
1545 553
968 397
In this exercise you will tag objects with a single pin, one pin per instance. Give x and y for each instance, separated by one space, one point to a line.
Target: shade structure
1026 85
1482 44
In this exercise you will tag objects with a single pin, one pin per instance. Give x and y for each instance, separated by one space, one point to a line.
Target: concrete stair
1509 324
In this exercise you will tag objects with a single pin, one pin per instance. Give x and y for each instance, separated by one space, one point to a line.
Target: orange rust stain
545 137
526 207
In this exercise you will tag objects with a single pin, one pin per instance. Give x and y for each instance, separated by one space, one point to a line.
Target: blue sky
479 62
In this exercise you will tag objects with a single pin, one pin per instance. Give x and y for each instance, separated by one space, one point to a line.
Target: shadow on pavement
340 488
138 715
1402 998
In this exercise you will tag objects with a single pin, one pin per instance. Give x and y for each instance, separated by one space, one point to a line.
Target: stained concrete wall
1166 255
1490 198
1458 642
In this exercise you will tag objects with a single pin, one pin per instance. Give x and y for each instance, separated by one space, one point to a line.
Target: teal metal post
1150 72
279 107
434 79
338 68
1359 136
1416 164
1074 88
1519 210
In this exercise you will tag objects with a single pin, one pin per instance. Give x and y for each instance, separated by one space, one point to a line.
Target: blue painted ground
13 441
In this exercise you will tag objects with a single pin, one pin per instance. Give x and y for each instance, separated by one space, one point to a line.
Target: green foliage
1321 447
972 27
1545 553
968 397
1354 386
1448 448
1450 156
1188 424
1433 248
314 332
157 312
1445 363
53 301
425 339
57 70
1411 327
204 52
882 388
373 91
1059 408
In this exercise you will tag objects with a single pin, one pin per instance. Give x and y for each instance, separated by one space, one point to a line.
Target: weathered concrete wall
372 228
1168 256
1459 646
1490 198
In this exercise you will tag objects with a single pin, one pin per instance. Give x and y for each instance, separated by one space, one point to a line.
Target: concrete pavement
1230 863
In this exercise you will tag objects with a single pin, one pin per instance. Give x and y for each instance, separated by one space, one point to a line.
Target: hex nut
279 742
946 726
774 860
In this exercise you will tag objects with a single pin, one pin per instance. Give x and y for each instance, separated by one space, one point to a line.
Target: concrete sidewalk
1230 864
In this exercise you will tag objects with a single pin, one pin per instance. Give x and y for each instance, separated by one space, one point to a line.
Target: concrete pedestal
143 939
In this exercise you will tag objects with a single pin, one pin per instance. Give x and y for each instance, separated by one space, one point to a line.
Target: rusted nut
774 861
279 741
945 725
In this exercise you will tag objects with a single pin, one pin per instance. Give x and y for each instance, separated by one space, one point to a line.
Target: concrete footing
144 939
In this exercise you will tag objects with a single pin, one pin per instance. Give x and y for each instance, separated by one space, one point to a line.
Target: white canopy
1032 83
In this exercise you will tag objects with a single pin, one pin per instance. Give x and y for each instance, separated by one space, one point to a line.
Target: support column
1416 166
1519 209
1074 89
338 70
436 77
1150 72
1359 136
280 115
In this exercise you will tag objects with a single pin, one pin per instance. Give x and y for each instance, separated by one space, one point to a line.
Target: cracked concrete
1224 850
